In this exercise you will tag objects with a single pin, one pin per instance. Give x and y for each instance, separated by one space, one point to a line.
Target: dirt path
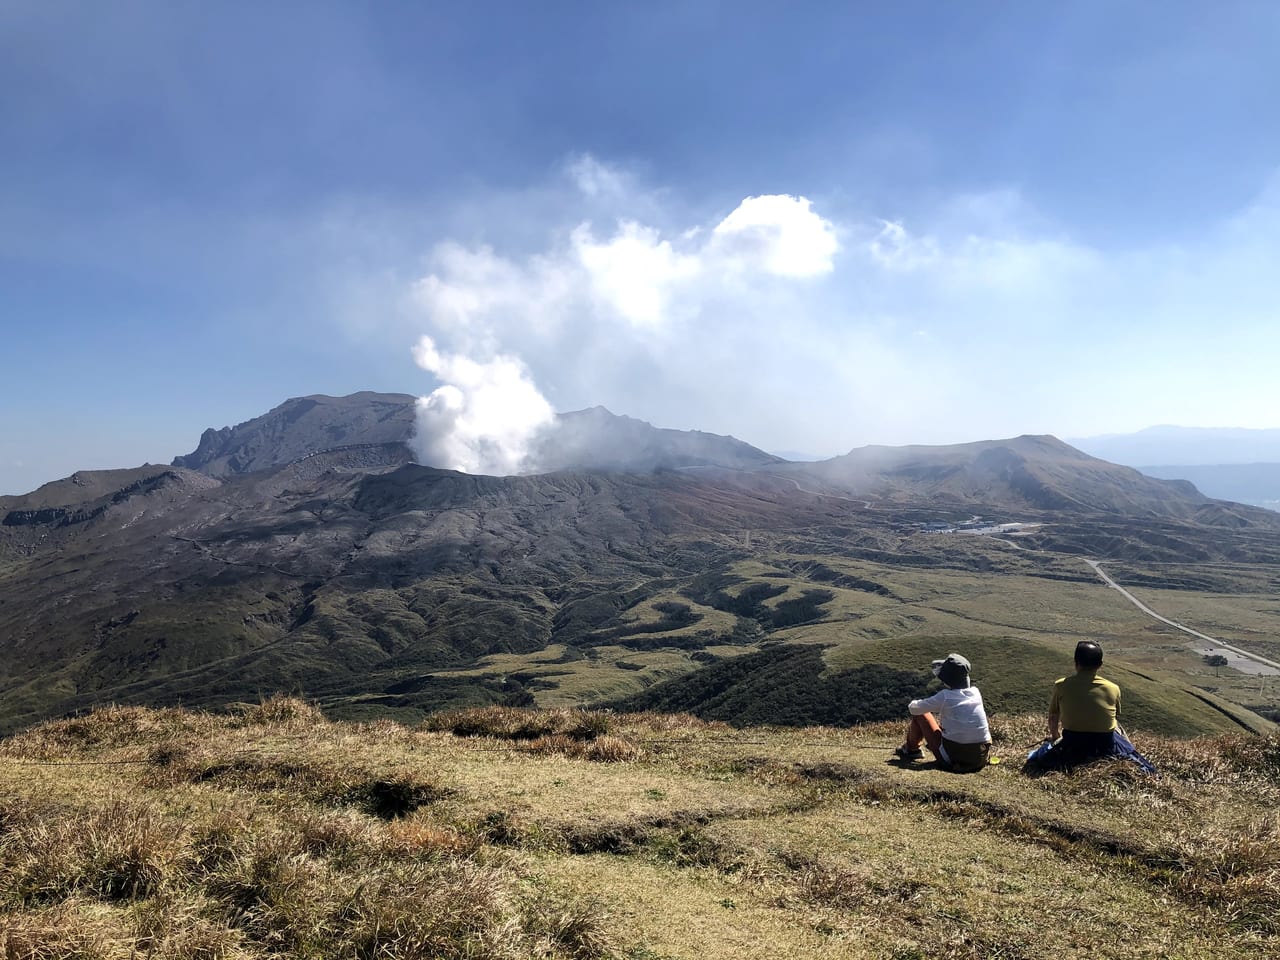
1241 660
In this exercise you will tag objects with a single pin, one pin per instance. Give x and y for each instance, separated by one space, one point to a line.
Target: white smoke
593 306
820 325
484 416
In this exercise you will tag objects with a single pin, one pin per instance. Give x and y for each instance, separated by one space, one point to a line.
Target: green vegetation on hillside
784 685
377 588
797 686
1016 676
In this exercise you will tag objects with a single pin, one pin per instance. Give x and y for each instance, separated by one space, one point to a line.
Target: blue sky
974 220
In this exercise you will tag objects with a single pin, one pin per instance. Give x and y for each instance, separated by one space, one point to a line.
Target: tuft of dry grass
322 781
575 929
272 890
677 723
175 927
451 912
604 749
520 723
111 726
120 852
284 712
1016 732
424 840
342 836
1234 868
60 932
818 882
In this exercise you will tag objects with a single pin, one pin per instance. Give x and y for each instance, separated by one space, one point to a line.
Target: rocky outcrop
304 427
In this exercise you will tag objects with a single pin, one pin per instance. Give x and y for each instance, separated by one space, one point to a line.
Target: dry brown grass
567 834
108 727
280 711
121 851
518 723
58 933
603 749
1235 870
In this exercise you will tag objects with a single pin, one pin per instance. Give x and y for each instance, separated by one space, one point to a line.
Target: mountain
1253 483
178 586
1185 445
596 439
1228 464
301 551
380 426
305 426
1037 472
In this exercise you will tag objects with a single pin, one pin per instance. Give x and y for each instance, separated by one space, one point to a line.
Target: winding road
1241 660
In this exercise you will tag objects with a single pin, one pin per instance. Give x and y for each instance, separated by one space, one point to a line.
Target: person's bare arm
1053 726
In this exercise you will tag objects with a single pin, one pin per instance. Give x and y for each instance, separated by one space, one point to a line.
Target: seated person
959 737
1086 708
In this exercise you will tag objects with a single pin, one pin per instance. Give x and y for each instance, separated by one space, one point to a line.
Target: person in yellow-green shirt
1084 724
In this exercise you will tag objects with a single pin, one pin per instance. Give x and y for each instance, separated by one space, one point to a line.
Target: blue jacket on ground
1076 748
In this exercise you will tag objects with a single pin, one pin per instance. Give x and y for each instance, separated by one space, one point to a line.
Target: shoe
903 753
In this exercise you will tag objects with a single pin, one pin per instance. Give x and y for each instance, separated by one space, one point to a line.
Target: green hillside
797 686
1016 676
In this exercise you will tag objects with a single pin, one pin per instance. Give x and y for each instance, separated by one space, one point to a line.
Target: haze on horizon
809 230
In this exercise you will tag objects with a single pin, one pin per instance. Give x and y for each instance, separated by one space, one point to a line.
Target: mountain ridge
1169 444
1038 471
381 584
302 426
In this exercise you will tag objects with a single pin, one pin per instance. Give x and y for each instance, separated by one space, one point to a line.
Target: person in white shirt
958 736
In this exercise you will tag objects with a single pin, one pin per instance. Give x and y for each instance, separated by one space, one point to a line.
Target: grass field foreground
505 833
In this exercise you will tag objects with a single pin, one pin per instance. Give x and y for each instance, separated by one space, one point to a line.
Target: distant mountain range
1254 483
1185 445
1230 464
303 550
1040 472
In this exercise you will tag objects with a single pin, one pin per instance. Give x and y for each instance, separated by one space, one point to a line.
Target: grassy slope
581 835
917 611
457 640
1016 676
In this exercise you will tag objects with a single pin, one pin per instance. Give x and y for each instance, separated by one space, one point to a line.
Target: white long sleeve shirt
960 714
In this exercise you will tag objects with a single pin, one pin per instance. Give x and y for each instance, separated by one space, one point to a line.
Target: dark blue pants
1076 748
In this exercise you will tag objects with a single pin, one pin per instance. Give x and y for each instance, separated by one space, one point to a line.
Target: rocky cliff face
303 427
213 444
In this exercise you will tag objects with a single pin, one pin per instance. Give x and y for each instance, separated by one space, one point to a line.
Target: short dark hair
1088 654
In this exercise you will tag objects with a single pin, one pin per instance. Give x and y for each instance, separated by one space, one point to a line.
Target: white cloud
794 328
594 178
471 294
596 312
894 249
779 234
634 273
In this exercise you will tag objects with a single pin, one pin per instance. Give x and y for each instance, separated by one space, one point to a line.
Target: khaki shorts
966 756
